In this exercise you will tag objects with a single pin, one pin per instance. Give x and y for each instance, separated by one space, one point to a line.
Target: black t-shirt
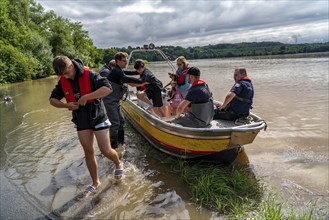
198 94
148 76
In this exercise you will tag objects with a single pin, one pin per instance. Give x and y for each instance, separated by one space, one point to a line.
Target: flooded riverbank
41 156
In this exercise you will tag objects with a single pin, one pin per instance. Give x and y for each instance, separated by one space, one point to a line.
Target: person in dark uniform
200 103
106 69
118 78
238 101
153 89
82 90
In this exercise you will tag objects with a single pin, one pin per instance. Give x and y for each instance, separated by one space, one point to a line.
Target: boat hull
182 142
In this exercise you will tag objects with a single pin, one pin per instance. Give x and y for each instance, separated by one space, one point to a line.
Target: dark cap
194 71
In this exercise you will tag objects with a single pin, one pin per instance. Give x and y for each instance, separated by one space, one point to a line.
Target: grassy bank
233 192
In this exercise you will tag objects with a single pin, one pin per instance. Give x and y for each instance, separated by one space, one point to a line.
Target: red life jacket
245 78
198 82
84 86
141 88
181 78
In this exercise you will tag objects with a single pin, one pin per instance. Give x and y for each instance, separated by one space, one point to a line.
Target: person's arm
181 107
99 93
131 73
132 81
59 104
227 100
167 85
128 79
57 95
137 84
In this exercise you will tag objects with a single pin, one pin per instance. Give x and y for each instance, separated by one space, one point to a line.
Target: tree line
30 38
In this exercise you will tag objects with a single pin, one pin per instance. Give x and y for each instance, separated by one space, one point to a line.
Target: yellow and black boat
221 141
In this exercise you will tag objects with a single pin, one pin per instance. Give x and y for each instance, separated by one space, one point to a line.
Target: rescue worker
238 101
118 78
82 90
200 103
106 69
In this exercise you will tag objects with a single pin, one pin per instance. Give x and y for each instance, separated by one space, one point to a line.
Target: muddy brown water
42 158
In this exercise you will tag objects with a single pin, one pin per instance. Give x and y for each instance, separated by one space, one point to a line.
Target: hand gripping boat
221 141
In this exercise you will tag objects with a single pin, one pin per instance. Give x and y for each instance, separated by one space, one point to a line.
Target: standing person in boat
182 81
106 69
153 89
118 78
238 101
199 98
82 90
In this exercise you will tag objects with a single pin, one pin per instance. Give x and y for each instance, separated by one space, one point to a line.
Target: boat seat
222 124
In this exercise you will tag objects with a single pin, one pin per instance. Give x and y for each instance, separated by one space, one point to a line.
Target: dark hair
60 63
138 64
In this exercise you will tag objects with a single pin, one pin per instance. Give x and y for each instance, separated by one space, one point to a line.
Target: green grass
232 192
224 189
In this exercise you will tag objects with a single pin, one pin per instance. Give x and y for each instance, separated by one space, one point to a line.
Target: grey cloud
191 23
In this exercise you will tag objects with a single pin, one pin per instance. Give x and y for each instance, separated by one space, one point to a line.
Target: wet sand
14 205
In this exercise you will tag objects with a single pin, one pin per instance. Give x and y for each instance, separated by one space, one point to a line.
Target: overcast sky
121 23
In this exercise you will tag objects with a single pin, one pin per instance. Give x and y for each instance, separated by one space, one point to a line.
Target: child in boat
153 89
174 96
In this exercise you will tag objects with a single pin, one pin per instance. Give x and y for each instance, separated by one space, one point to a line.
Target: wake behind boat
221 141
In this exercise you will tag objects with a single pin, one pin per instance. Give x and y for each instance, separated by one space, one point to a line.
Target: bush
14 65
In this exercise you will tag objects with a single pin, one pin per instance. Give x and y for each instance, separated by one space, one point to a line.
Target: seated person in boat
199 98
153 89
238 101
182 81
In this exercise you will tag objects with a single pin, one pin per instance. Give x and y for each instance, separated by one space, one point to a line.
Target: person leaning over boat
117 78
182 81
238 101
82 90
199 98
153 89
106 69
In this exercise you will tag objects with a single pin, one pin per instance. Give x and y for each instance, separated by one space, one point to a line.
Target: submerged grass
233 192
224 189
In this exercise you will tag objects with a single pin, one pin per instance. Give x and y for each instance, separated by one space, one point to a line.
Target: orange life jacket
84 86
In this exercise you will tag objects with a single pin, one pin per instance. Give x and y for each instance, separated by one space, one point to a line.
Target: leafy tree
20 66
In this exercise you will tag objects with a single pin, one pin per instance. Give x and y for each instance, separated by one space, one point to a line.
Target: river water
41 156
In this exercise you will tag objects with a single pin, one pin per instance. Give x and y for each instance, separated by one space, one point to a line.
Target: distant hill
243 49
233 50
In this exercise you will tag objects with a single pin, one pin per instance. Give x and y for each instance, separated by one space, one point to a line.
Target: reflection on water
41 155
